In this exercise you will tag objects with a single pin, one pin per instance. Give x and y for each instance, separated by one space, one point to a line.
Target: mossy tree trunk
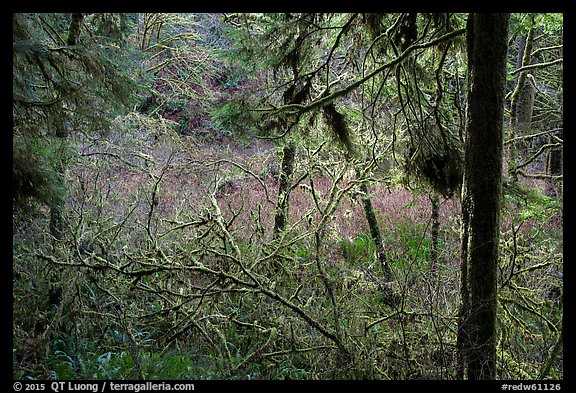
435 235
290 96
554 162
58 197
375 231
74 29
481 192
57 221
521 102
284 188
57 213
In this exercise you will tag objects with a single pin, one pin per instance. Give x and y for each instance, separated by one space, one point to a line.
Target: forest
287 196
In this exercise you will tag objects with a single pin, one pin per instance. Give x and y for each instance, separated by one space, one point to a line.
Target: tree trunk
481 193
57 200
525 104
284 187
521 103
74 29
57 218
554 166
554 163
375 231
435 234
57 221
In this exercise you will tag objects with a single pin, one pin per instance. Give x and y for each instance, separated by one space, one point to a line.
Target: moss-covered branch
324 100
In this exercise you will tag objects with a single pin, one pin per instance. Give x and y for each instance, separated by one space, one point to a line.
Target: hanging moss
337 124
435 158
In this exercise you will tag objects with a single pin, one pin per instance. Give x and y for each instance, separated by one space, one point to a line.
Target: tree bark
284 187
57 201
481 193
521 103
58 198
435 234
375 231
554 162
554 165
74 29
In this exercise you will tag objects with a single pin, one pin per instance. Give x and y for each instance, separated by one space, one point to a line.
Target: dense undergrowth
169 270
